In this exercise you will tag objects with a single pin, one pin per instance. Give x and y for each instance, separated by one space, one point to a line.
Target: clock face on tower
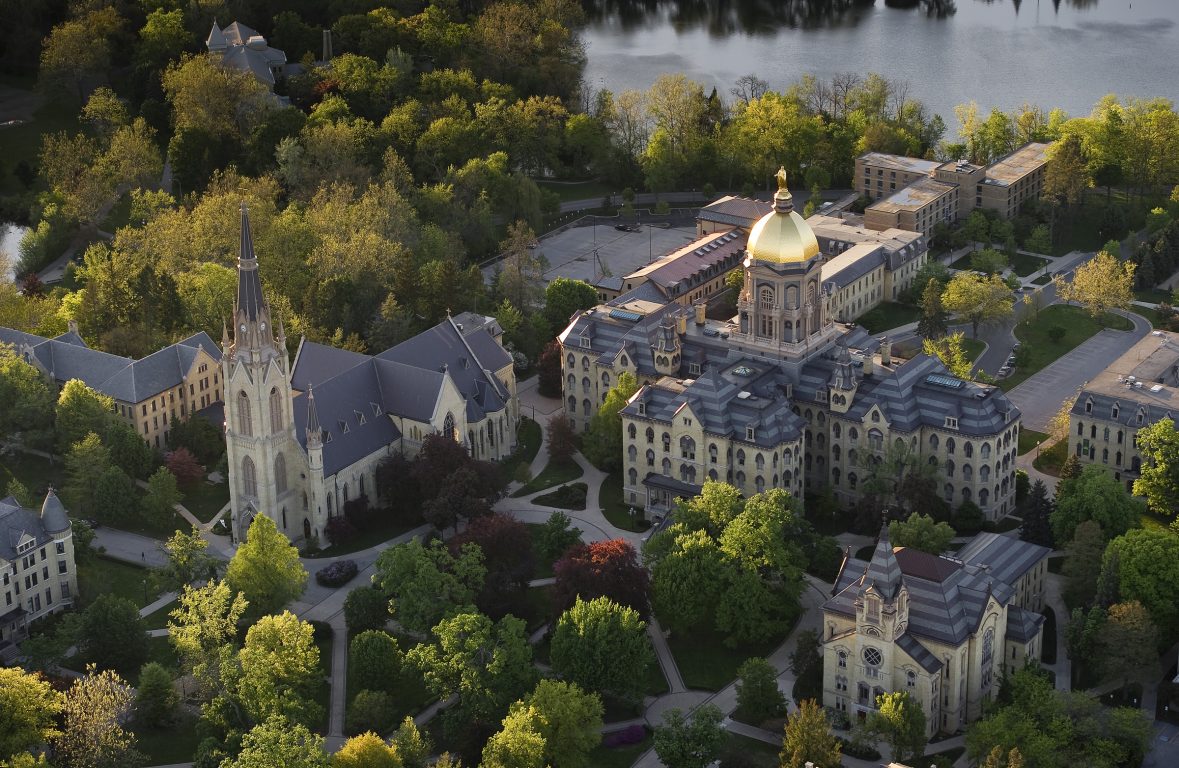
243 327
262 326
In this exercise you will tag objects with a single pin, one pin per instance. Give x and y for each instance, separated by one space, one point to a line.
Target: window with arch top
280 474
245 426
275 410
249 477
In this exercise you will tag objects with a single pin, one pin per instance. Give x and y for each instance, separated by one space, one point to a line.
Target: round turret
53 515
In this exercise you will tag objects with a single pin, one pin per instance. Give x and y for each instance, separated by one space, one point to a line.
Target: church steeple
252 329
314 432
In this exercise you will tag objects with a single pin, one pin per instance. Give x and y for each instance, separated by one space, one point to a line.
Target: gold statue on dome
781 174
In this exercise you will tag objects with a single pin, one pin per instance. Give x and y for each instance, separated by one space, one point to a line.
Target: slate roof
15 522
946 599
1153 363
129 381
405 381
918 653
849 266
735 211
249 283
695 263
243 48
1022 625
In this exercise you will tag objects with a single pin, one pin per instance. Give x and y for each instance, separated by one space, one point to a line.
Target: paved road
1040 396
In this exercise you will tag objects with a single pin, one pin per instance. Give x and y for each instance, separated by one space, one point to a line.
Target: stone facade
943 628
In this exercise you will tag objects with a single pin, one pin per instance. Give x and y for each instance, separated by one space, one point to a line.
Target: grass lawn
552 475
99 575
889 315
963 262
1024 265
1052 459
1042 280
706 663
1078 326
36 473
1153 316
1153 295
616 510
24 141
972 348
1149 519
1029 439
527 444
380 531
619 757
205 499
571 496
579 190
176 743
159 619
160 650
756 753
323 686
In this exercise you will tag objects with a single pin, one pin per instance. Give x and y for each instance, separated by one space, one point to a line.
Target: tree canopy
602 647
266 568
978 299
1158 444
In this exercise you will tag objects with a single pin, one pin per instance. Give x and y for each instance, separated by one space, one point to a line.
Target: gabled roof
884 572
918 653
17 522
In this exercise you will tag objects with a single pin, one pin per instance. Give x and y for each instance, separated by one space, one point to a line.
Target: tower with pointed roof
263 453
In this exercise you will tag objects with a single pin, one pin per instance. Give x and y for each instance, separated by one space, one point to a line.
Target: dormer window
585 342
642 408
694 369
343 426
1139 417
376 409
749 433
359 417
1114 411
951 422
1088 406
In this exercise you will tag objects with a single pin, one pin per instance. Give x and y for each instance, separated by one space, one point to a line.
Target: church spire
314 432
250 300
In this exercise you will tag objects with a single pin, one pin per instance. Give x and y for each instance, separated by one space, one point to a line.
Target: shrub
853 748
370 711
364 609
632 734
337 574
339 529
1056 333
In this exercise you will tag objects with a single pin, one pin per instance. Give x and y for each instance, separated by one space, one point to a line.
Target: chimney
327 45
869 365
681 323
885 351
699 313
73 326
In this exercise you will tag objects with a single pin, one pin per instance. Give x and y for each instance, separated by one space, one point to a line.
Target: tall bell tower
263 454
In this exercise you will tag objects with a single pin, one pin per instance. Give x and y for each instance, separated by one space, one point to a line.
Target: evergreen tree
1036 527
932 324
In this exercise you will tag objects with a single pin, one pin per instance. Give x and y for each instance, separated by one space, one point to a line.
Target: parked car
627 227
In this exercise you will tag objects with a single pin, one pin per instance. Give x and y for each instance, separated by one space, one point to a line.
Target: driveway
1039 397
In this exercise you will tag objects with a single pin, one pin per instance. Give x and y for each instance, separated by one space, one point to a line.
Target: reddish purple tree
604 568
507 555
184 466
548 370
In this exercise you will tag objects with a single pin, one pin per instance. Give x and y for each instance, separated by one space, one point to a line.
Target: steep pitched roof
884 573
249 284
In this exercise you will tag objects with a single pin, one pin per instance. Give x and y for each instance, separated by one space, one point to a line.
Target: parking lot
571 253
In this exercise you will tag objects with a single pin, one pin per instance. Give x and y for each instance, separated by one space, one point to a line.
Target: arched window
949 467
759 482
249 477
760 462
836 430
712 475
950 445
967 472
984 496
666 442
740 479
448 426
986 450
852 480
933 442
650 458
875 439
667 467
650 435
571 382
853 433
968 449
632 453
984 473
606 380
245 425
585 384
572 400
570 361
632 476
275 410
687 448
712 453
631 431
835 476
585 363
740 457
988 657
280 474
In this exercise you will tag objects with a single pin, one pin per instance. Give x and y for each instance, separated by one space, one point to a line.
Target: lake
1054 53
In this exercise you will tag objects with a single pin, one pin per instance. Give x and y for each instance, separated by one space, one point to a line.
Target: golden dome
782 236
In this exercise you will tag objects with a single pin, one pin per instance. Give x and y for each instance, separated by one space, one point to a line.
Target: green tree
413 747
602 646
86 462
977 228
113 497
162 38
113 636
1127 645
517 745
1148 564
693 742
426 584
212 100
686 584
28 710
1067 176
279 742
486 664
374 661
93 732
29 415
564 296
758 697
188 558
367 750
988 260
1158 444
155 697
1039 241
1099 285
279 668
555 536
809 739
602 444
1083 564
921 532
950 351
203 628
81 410
978 299
1097 496
266 568
717 505
902 723
932 324
567 718
76 50
370 711
522 270
162 495
1037 514
364 609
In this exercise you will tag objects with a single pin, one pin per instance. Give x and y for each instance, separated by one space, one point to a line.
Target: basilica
782 395
304 438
